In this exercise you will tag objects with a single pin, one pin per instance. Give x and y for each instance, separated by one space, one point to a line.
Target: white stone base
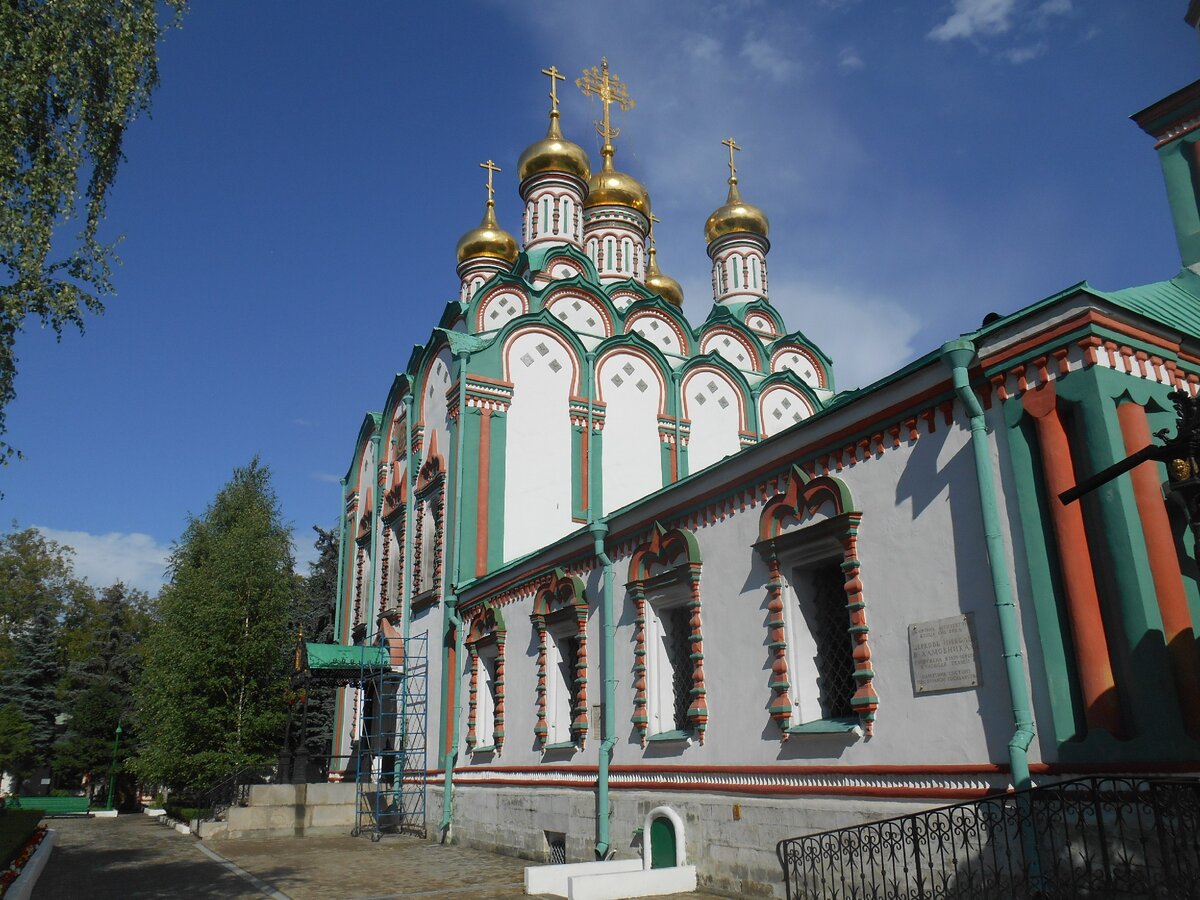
22 888
555 880
104 813
642 883
154 811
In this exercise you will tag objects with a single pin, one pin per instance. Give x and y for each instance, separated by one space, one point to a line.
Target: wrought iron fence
1084 838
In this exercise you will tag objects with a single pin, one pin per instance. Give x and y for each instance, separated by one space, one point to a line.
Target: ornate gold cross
555 77
610 89
653 220
732 165
491 168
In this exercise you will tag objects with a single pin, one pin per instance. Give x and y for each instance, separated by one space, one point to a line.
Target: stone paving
134 856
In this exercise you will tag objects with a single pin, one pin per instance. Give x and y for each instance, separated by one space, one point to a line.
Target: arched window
566 211
545 223
608 250
754 270
627 255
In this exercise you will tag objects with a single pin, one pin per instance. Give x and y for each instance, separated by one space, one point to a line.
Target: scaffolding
390 766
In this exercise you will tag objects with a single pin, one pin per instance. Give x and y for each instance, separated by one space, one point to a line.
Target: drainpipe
609 711
958 355
409 519
453 617
376 506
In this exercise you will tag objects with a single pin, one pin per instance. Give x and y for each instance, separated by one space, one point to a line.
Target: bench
53 806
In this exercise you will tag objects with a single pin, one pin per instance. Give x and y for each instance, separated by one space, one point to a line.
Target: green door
662 843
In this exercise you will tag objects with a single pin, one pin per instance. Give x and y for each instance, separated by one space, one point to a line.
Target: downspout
409 522
609 711
376 506
958 355
453 618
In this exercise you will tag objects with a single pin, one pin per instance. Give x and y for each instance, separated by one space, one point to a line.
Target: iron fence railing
1085 838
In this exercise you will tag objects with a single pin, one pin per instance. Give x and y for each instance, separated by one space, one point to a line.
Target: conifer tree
211 696
98 689
16 749
32 682
319 598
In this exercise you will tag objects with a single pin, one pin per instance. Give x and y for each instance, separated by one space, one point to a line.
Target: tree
32 682
35 574
16 749
98 689
211 696
315 611
74 75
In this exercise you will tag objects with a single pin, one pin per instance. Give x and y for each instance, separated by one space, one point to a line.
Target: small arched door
662 843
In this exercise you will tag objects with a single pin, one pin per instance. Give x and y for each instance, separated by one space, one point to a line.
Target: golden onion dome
608 187
736 216
663 285
488 240
554 153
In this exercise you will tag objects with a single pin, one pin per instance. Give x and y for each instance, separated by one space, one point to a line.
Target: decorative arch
678 551
803 498
793 407
735 333
561 594
485 622
672 325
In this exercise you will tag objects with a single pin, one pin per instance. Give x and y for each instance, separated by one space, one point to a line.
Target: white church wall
633 390
714 406
537 484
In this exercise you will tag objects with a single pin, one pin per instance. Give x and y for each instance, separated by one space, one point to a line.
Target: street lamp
112 772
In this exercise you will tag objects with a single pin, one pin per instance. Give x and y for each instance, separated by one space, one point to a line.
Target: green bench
52 806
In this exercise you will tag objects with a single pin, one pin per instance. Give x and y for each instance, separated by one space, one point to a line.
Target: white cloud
327 477
1018 55
849 59
867 337
763 56
972 18
134 558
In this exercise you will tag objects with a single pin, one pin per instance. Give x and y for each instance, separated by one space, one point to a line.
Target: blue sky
290 211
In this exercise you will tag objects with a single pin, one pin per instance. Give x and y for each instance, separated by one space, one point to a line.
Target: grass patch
16 825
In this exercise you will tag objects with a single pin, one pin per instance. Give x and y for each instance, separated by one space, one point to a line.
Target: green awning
339 660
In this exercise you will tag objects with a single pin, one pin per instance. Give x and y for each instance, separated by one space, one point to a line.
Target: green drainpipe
409 519
453 618
609 711
376 507
958 355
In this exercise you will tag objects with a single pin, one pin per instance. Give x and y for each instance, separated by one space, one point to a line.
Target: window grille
835 660
556 843
679 651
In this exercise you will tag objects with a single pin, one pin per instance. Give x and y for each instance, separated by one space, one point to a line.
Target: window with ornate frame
560 612
485 663
668 672
821 678
429 530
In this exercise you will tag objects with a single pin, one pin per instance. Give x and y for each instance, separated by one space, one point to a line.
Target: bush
16 825
186 813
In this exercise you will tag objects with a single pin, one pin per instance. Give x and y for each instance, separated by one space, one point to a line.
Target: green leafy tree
16 749
211 695
32 682
74 75
98 689
35 575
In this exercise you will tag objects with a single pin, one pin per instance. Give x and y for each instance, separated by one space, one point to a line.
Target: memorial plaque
944 655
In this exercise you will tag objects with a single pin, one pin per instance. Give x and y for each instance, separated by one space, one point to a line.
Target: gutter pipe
609 711
409 524
453 617
376 506
958 355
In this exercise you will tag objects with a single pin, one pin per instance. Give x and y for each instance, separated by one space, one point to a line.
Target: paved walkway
134 856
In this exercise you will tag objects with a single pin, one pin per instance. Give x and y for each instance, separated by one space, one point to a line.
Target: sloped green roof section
1175 303
328 658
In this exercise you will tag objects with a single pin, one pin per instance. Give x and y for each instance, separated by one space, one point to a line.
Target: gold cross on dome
732 165
653 221
610 89
555 77
491 168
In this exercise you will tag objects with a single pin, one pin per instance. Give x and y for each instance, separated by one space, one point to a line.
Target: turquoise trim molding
825 726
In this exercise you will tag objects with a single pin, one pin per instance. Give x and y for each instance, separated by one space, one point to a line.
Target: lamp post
112 772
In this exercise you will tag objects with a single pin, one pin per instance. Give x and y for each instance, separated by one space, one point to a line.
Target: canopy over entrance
340 663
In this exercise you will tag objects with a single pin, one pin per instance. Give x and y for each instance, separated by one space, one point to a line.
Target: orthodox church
666 565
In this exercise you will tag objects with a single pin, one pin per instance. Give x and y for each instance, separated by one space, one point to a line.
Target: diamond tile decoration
654 324
562 316
712 387
527 359
777 414
627 368
641 385
495 314
618 380
542 349
555 366
591 322
723 403
786 403
577 306
701 399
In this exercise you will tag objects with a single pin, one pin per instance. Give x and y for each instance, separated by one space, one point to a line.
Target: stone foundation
288 810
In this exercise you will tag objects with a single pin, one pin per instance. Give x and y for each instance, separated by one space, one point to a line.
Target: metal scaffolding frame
392 740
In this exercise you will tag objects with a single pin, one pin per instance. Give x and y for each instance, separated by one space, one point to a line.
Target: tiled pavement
134 856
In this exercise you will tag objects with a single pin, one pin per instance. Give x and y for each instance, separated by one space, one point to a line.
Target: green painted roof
343 658
1175 303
